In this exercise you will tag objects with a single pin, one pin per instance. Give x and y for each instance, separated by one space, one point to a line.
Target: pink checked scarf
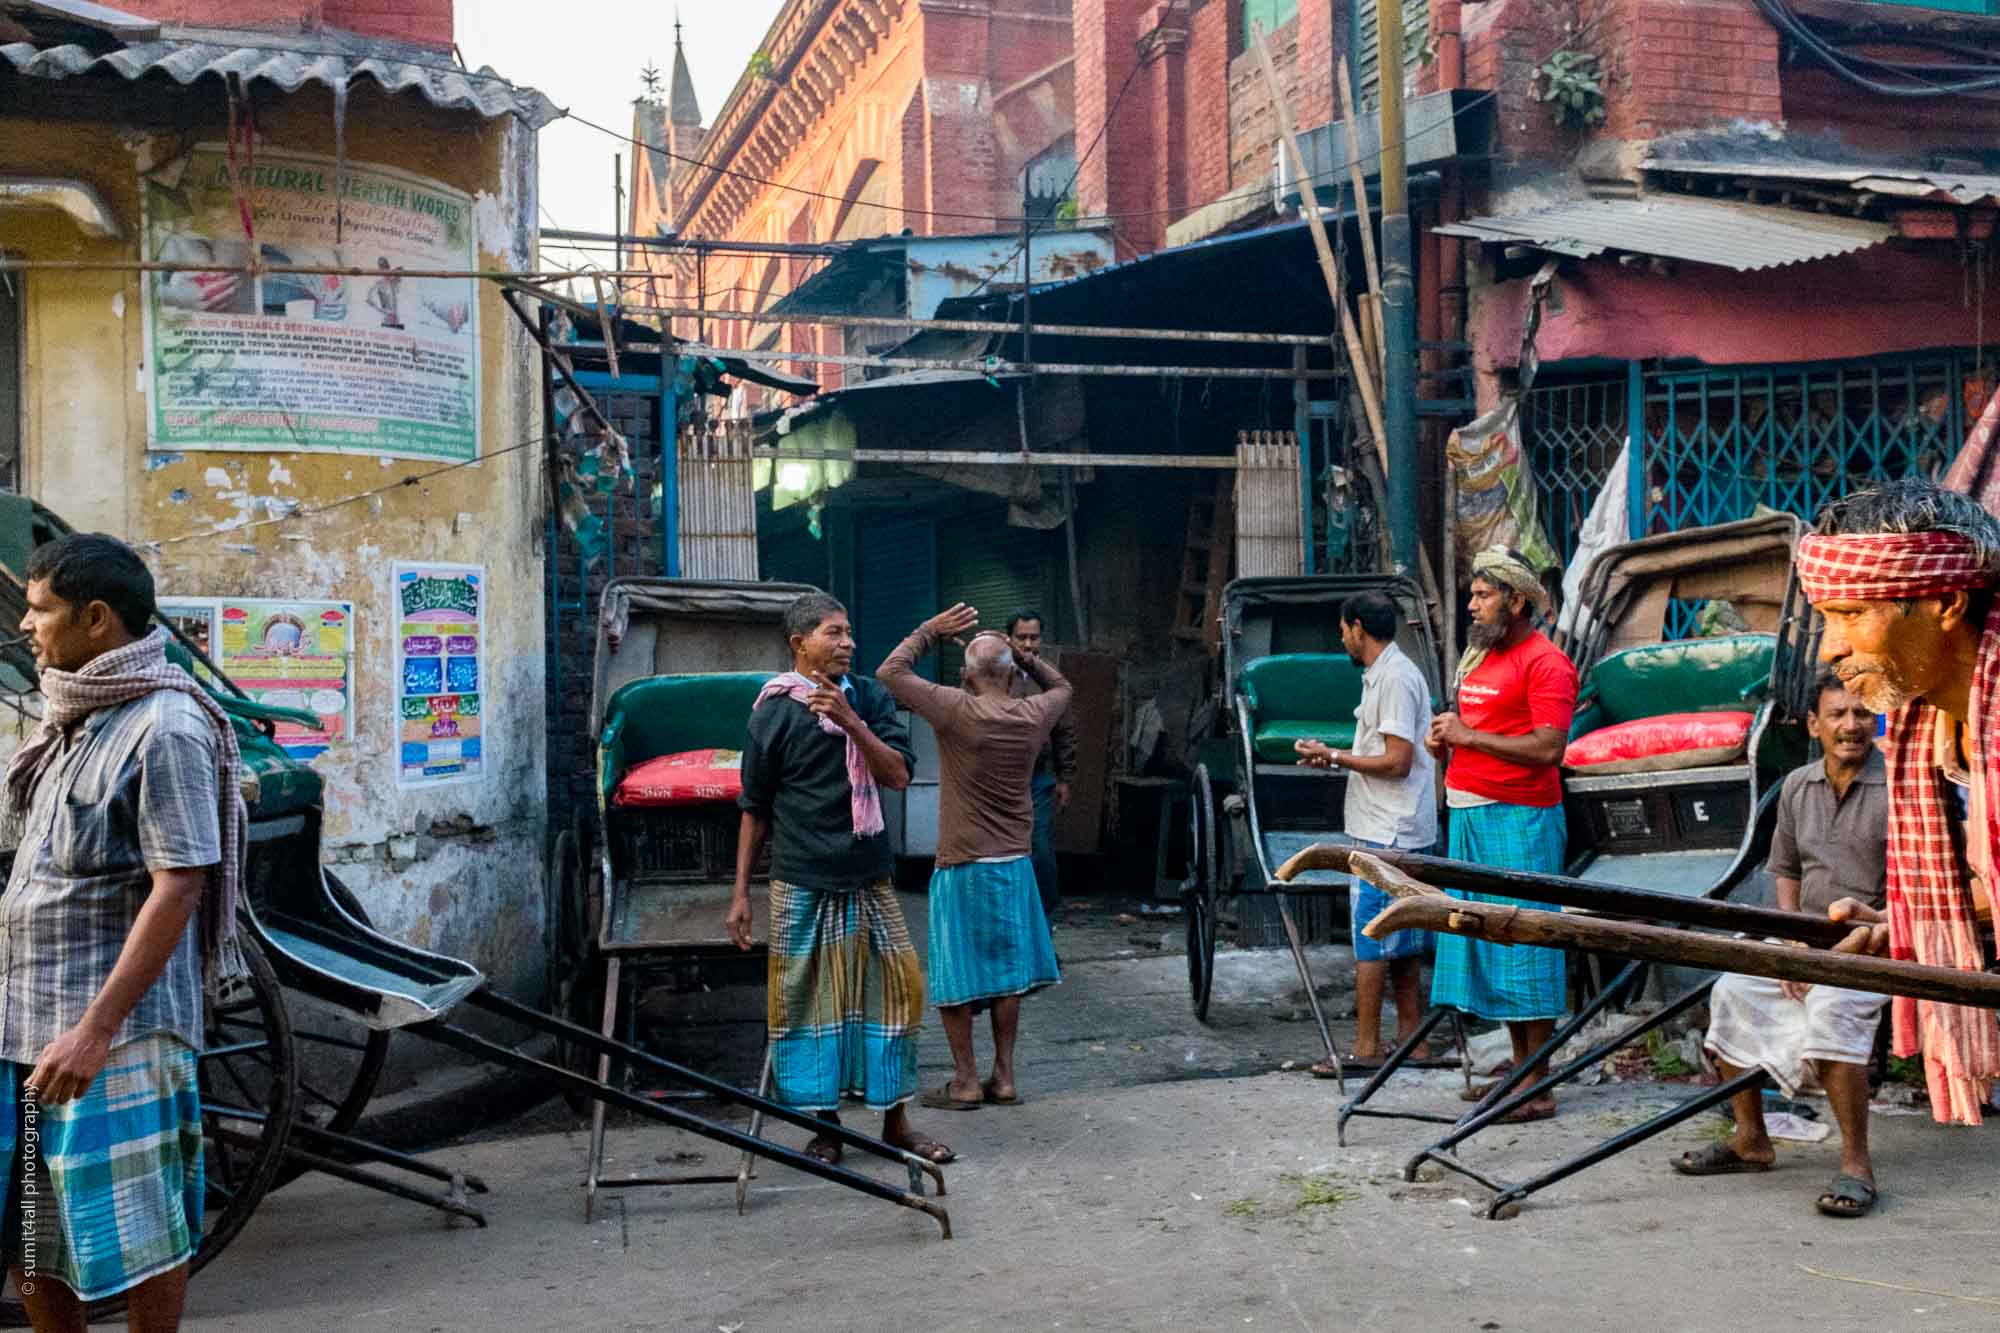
1929 905
118 677
866 802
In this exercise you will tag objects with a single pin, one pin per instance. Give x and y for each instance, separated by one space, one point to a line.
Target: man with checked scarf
1904 577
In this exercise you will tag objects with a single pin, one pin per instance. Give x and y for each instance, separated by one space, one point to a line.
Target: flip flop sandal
1717 1159
1848 1196
1325 1069
928 1149
824 1150
940 1099
1527 1113
995 1098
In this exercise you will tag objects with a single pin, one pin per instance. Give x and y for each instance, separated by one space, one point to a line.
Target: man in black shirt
846 988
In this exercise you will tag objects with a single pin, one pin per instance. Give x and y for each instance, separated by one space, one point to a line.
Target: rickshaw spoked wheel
1198 898
248 1087
340 1058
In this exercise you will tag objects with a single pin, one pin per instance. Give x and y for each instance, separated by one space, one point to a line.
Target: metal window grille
1572 433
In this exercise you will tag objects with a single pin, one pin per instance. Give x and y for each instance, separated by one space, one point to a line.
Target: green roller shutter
895 585
999 569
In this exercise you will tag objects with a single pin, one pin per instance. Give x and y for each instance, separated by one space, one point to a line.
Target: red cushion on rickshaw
693 777
1659 744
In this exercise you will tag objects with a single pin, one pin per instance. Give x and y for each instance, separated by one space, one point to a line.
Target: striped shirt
131 791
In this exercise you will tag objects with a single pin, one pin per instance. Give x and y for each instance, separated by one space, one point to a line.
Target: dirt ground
1160 1175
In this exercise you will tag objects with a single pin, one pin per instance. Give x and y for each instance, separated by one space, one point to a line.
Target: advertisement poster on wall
440 671
284 653
379 364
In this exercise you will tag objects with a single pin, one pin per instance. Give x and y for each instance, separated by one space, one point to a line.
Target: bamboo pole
1371 402
1359 182
1507 924
1364 373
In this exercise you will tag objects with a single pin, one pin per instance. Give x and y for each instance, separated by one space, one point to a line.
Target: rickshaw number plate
1627 819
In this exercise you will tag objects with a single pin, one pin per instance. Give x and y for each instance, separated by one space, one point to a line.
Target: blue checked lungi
1514 982
846 997
106 1191
1365 902
989 939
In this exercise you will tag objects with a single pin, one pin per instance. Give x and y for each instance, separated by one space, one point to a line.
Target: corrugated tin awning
334 60
1912 183
1701 231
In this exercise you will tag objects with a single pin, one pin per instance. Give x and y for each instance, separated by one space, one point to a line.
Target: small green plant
1907 1069
1666 1056
1240 1208
761 66
1066 213
1321 1192
1571 83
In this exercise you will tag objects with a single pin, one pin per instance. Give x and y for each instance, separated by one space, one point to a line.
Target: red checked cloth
1929 902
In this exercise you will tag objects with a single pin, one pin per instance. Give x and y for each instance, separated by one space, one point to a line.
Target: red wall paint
424 22
1883 300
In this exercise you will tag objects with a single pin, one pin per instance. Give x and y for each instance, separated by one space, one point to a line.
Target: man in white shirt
1391 802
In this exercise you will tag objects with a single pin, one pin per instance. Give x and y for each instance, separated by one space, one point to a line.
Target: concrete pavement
1160 1175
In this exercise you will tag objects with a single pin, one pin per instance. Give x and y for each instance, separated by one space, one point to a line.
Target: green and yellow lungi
846 997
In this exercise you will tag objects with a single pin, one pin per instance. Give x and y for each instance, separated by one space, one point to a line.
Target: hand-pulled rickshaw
1678 836
293 1047
1285 678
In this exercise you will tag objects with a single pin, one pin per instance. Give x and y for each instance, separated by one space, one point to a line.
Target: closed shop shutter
999 569
895 586
1416 32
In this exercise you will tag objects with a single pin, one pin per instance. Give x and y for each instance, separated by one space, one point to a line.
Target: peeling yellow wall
440 866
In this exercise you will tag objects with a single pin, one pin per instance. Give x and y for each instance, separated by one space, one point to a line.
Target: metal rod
1618 1143
442 1032
484 998
1307 340
1312 996
998 457
993 366
692 244
1624 1037
344 1171
1396 1060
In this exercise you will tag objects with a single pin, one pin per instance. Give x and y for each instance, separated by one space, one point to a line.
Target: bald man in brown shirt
989 938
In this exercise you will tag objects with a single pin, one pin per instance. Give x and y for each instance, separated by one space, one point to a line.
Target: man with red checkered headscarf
1904 577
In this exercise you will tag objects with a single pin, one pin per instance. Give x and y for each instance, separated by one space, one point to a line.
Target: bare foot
998 1089
910 1139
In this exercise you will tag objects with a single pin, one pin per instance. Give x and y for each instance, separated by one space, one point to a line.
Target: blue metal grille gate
1717 443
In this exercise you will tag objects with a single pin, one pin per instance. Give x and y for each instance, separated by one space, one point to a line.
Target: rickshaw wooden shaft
1563 891
1506 924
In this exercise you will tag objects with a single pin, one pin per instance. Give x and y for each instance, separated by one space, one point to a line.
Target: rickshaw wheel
242 1153
1199 896
249 1065
340 1059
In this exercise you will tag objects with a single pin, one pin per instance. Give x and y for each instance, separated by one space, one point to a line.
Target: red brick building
859 118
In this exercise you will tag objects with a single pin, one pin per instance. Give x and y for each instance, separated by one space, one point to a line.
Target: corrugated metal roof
1702 231
336 61
1863 177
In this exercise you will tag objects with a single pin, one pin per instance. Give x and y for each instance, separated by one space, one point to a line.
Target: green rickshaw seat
1300 696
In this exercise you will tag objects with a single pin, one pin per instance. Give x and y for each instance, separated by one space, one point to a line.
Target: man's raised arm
898 673
1056 691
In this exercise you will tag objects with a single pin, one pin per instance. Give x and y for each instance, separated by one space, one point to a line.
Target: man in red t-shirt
1516 694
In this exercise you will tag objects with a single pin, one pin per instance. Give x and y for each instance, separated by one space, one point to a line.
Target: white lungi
1753 1026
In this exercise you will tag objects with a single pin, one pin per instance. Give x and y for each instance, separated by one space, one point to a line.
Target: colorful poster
440 671
279 652
293 655
378 364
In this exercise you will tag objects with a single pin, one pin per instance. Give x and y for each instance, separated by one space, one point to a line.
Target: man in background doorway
1055 766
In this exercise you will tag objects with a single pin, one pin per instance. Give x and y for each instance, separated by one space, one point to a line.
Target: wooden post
1359 180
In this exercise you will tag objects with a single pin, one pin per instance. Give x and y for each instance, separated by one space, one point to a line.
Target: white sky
586 56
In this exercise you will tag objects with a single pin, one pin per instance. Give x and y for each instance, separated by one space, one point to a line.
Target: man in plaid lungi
121 892
1903 576
846 989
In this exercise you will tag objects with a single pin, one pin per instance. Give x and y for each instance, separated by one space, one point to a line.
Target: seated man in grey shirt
1831 843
